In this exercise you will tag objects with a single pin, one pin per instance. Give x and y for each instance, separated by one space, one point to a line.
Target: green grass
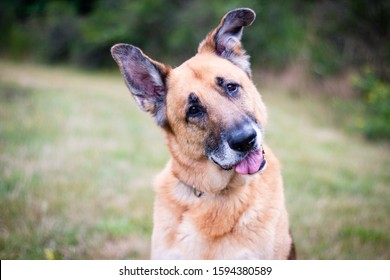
77 159
337 184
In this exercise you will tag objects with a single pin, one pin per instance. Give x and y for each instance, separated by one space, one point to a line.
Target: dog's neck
208 180
201 174
192 188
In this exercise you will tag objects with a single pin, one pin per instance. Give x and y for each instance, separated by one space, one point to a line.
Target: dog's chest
190 243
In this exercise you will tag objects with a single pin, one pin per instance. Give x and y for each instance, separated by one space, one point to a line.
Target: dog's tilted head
208 106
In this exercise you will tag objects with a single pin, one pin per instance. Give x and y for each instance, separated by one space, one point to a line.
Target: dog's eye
232 88
195 111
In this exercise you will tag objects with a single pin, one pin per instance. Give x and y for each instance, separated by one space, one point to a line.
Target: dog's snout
242 139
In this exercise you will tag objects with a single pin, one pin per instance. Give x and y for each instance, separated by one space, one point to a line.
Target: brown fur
236 216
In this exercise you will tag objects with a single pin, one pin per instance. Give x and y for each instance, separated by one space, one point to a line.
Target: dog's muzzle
245 140
239 148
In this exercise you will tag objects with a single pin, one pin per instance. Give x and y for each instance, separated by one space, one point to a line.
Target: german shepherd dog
221 194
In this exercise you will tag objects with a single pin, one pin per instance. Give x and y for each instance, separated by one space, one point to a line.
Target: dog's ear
225 39
145 79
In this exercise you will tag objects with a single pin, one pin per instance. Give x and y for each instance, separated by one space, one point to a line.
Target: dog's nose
242 139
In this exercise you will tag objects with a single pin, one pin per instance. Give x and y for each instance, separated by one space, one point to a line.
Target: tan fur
248 220
237 216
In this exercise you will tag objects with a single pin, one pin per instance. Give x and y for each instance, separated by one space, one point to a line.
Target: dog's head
208 106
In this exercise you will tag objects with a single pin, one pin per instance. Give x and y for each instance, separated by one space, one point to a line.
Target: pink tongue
250 164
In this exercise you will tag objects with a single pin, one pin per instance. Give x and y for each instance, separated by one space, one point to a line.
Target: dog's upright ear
225 39
145 79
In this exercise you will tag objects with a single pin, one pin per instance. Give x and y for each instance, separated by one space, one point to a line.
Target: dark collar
197 193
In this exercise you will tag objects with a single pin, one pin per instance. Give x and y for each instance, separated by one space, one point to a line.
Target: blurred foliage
327 35
376 98
351 33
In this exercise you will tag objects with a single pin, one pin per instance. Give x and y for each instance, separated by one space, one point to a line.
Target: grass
77 159
337 184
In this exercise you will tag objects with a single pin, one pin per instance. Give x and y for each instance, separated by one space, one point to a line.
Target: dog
221 194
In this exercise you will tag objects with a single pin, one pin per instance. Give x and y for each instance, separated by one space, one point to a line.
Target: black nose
242 139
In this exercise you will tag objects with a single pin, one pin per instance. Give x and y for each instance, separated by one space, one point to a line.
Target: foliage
375 95
353 33
326 35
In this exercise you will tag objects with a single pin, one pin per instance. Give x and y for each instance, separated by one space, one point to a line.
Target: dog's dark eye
232 88
195 111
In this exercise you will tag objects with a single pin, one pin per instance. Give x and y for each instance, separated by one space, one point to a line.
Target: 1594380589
242 270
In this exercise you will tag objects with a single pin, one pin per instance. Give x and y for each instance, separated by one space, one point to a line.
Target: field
77 159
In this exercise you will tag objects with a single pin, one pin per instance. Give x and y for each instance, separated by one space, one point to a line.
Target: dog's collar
196 192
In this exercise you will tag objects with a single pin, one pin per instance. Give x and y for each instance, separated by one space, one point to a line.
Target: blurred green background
77 157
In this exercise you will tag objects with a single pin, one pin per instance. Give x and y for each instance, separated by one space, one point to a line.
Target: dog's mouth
252 163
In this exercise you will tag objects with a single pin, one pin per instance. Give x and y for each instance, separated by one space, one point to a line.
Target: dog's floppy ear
145 79
225 39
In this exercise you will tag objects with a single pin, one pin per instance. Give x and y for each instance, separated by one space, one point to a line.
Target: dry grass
77 158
